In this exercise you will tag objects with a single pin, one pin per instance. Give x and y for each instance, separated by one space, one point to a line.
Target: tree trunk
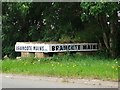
112 40
106 40
105 32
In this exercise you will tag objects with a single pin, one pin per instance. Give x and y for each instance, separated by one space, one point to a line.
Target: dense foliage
61 22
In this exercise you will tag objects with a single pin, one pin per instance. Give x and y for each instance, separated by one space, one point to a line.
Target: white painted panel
40 47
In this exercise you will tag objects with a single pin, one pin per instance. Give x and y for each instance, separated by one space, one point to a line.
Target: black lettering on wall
38 48
88 47
75 47
61 47
94 46
91 46
30 47
57 47
24 47
17 48
34 48
53 48
78 47
42 48
84 47
72 47
69 47
65 47
27 47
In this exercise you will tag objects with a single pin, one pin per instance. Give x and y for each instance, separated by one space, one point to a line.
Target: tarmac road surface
24 81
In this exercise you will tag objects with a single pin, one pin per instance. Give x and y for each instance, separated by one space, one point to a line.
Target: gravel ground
88 82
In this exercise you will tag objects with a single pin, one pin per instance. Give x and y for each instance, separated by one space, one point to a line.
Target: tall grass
73 66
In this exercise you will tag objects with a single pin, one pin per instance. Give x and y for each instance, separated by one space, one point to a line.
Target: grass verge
74 66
